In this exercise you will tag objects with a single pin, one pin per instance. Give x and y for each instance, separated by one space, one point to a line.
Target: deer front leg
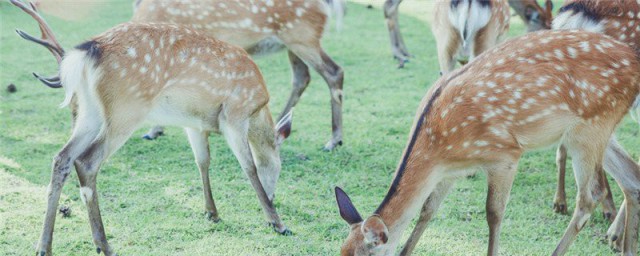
615 232
237 138
300 81
154 133
398 47
500 179
560 201
200 146
428 210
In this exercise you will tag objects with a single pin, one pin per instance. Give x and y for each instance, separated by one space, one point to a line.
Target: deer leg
264 151
80 140
500 179
154 133
586 165
608 206
300 81
398 48
428 210
237 138
334 76
560 201
623 233
200 146
448 45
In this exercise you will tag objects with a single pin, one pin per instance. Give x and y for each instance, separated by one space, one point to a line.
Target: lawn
151 192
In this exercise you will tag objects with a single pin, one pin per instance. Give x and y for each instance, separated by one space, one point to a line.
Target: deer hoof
212 217
147 137
560 208
286 232
41 253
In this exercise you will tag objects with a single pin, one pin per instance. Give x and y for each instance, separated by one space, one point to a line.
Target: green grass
150 192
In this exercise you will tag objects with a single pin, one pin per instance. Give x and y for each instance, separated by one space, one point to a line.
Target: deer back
166 71
544 81
243 22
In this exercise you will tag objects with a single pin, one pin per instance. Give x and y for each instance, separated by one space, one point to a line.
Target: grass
150 192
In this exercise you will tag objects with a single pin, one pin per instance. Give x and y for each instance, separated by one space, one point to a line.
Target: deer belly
170 112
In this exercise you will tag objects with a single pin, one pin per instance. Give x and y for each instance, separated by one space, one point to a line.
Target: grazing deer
619 19
534 16
527 93
263 27
169 74
464 29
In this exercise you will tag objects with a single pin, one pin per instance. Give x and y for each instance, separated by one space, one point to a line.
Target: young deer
263 27
534 16
172 75
527 93
464 29
620 20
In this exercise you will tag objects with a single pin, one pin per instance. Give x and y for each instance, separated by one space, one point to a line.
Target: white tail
464 29
262 27
172 75
527 93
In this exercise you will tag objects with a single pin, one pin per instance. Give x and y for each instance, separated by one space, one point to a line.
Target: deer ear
347 210
283 128
375 231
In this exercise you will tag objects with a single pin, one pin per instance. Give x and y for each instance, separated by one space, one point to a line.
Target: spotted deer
535 17
172 75
619 19
464 29
263 27
527 93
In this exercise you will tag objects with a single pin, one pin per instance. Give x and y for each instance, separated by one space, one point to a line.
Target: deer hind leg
301 79
428 210
264 151
61 167
448 44
398 48
314 56
154 133
200 146
623 233
500 178
115 134
237 138
560 201
586 160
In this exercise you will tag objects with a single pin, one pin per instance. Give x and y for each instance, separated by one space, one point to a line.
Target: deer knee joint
86 194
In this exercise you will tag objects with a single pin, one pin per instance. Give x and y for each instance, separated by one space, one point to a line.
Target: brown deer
464 29
527 93
535 17
263 27
169 74
618 19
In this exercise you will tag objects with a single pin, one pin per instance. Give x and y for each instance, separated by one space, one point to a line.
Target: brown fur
262 27
499 106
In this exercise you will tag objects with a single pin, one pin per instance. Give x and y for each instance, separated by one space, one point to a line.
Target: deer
461 29
464 29
530 92
535 17
169 74
619 20
261 28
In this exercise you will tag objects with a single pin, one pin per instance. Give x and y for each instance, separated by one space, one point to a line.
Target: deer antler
48 40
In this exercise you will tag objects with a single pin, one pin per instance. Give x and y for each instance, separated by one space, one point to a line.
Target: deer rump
468 17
